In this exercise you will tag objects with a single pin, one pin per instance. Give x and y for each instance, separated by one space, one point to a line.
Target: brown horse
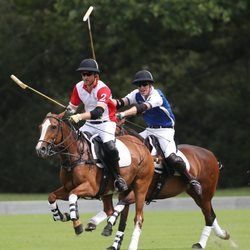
81 177
205 167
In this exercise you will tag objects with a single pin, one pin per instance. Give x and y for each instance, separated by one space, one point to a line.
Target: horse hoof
78 229
65 217
90 227
107 231
197 246
226 236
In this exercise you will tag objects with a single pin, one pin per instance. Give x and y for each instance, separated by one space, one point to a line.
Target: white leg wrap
118 239
55 211
52 206
119 208
72 206
72 198
217 229
112 219
97 219
135 237
204 236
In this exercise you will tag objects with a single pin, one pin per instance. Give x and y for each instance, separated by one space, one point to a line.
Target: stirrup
196 186
120 184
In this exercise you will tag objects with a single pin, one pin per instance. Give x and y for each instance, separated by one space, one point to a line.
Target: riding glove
76 118
69 110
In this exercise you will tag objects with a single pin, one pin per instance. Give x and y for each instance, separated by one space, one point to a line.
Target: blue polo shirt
160 113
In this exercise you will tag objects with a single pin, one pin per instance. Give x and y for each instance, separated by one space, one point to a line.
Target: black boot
112 160
179 165
194 184
119 183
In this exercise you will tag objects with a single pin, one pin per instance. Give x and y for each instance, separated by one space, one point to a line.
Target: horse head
51 135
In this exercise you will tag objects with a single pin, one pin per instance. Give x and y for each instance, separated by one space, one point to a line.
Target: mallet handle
24 86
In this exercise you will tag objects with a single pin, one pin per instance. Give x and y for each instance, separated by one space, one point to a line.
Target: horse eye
53 126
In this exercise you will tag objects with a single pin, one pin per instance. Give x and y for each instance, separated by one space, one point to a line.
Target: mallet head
87 14
17 81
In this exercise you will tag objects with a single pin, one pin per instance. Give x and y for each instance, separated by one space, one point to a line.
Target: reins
144 128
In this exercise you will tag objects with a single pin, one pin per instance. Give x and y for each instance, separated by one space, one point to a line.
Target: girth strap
103 184
157 188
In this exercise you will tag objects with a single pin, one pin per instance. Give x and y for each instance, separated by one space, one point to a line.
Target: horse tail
220 165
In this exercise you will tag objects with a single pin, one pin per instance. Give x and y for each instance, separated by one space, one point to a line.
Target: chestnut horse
204 166
80 175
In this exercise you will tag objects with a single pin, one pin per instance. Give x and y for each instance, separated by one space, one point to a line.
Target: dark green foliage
198 52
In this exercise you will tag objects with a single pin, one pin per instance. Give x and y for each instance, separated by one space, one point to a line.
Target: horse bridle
58 148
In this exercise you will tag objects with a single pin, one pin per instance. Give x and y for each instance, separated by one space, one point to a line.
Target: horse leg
85 189
140 191
107 231
57 214
124 200
101 216
211 223
209 215
223 234
74 215
121 229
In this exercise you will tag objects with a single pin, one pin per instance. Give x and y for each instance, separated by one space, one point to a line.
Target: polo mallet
24 86
85 18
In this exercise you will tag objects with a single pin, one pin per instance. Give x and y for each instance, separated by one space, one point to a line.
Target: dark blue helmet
143 76
89 65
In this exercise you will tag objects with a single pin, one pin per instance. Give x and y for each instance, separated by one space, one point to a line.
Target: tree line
198 52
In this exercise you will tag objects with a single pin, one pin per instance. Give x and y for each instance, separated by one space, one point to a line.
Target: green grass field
161 231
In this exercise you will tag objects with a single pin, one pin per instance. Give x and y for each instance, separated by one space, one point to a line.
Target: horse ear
61 115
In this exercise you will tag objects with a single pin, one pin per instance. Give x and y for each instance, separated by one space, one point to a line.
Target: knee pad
176 162
111 151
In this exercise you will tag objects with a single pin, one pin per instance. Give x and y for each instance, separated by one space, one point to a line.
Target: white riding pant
105 130
165 137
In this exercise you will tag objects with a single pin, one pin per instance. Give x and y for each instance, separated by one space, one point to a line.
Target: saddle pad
179 153
159 167
125 156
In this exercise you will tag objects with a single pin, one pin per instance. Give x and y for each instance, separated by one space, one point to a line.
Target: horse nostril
42 151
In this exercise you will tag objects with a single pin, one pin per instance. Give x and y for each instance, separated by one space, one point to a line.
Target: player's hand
120 115
69 111
76 118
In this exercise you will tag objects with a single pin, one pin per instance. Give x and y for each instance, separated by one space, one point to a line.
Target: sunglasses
87 73
142 84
